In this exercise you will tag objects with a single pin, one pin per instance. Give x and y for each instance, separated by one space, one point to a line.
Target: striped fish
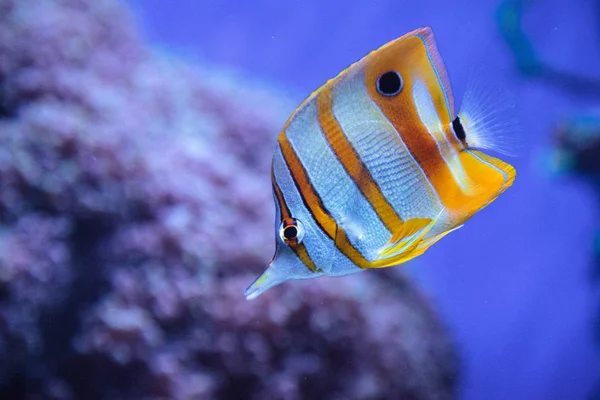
374 167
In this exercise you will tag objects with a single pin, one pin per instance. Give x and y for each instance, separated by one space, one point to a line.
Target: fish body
374 167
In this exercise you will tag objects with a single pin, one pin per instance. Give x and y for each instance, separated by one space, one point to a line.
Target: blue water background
514 284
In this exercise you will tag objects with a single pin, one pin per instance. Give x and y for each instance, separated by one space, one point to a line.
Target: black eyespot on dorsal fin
459 130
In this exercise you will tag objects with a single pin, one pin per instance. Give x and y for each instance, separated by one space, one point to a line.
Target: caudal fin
489 123
489 117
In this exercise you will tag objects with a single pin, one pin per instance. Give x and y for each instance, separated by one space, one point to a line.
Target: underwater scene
299 200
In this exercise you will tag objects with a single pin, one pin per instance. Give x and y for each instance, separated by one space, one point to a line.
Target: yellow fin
404 235
490 176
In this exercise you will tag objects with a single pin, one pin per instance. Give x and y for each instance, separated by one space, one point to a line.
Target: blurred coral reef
135 208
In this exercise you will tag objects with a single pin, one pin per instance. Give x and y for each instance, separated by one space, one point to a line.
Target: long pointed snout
271 277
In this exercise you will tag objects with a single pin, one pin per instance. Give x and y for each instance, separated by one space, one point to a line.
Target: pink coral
135 207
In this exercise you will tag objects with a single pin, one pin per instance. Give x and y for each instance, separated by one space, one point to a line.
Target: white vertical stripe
430 118
380 147
339 193
320 247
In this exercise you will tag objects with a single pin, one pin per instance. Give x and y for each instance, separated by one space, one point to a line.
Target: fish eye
389 83
291 231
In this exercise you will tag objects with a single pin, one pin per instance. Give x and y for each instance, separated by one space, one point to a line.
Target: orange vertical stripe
352 163
315 205
401 112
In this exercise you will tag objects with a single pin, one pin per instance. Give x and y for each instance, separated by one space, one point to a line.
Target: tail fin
489 117
489 121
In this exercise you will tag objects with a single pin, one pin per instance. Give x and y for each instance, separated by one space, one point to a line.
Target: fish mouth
253 291
269 278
